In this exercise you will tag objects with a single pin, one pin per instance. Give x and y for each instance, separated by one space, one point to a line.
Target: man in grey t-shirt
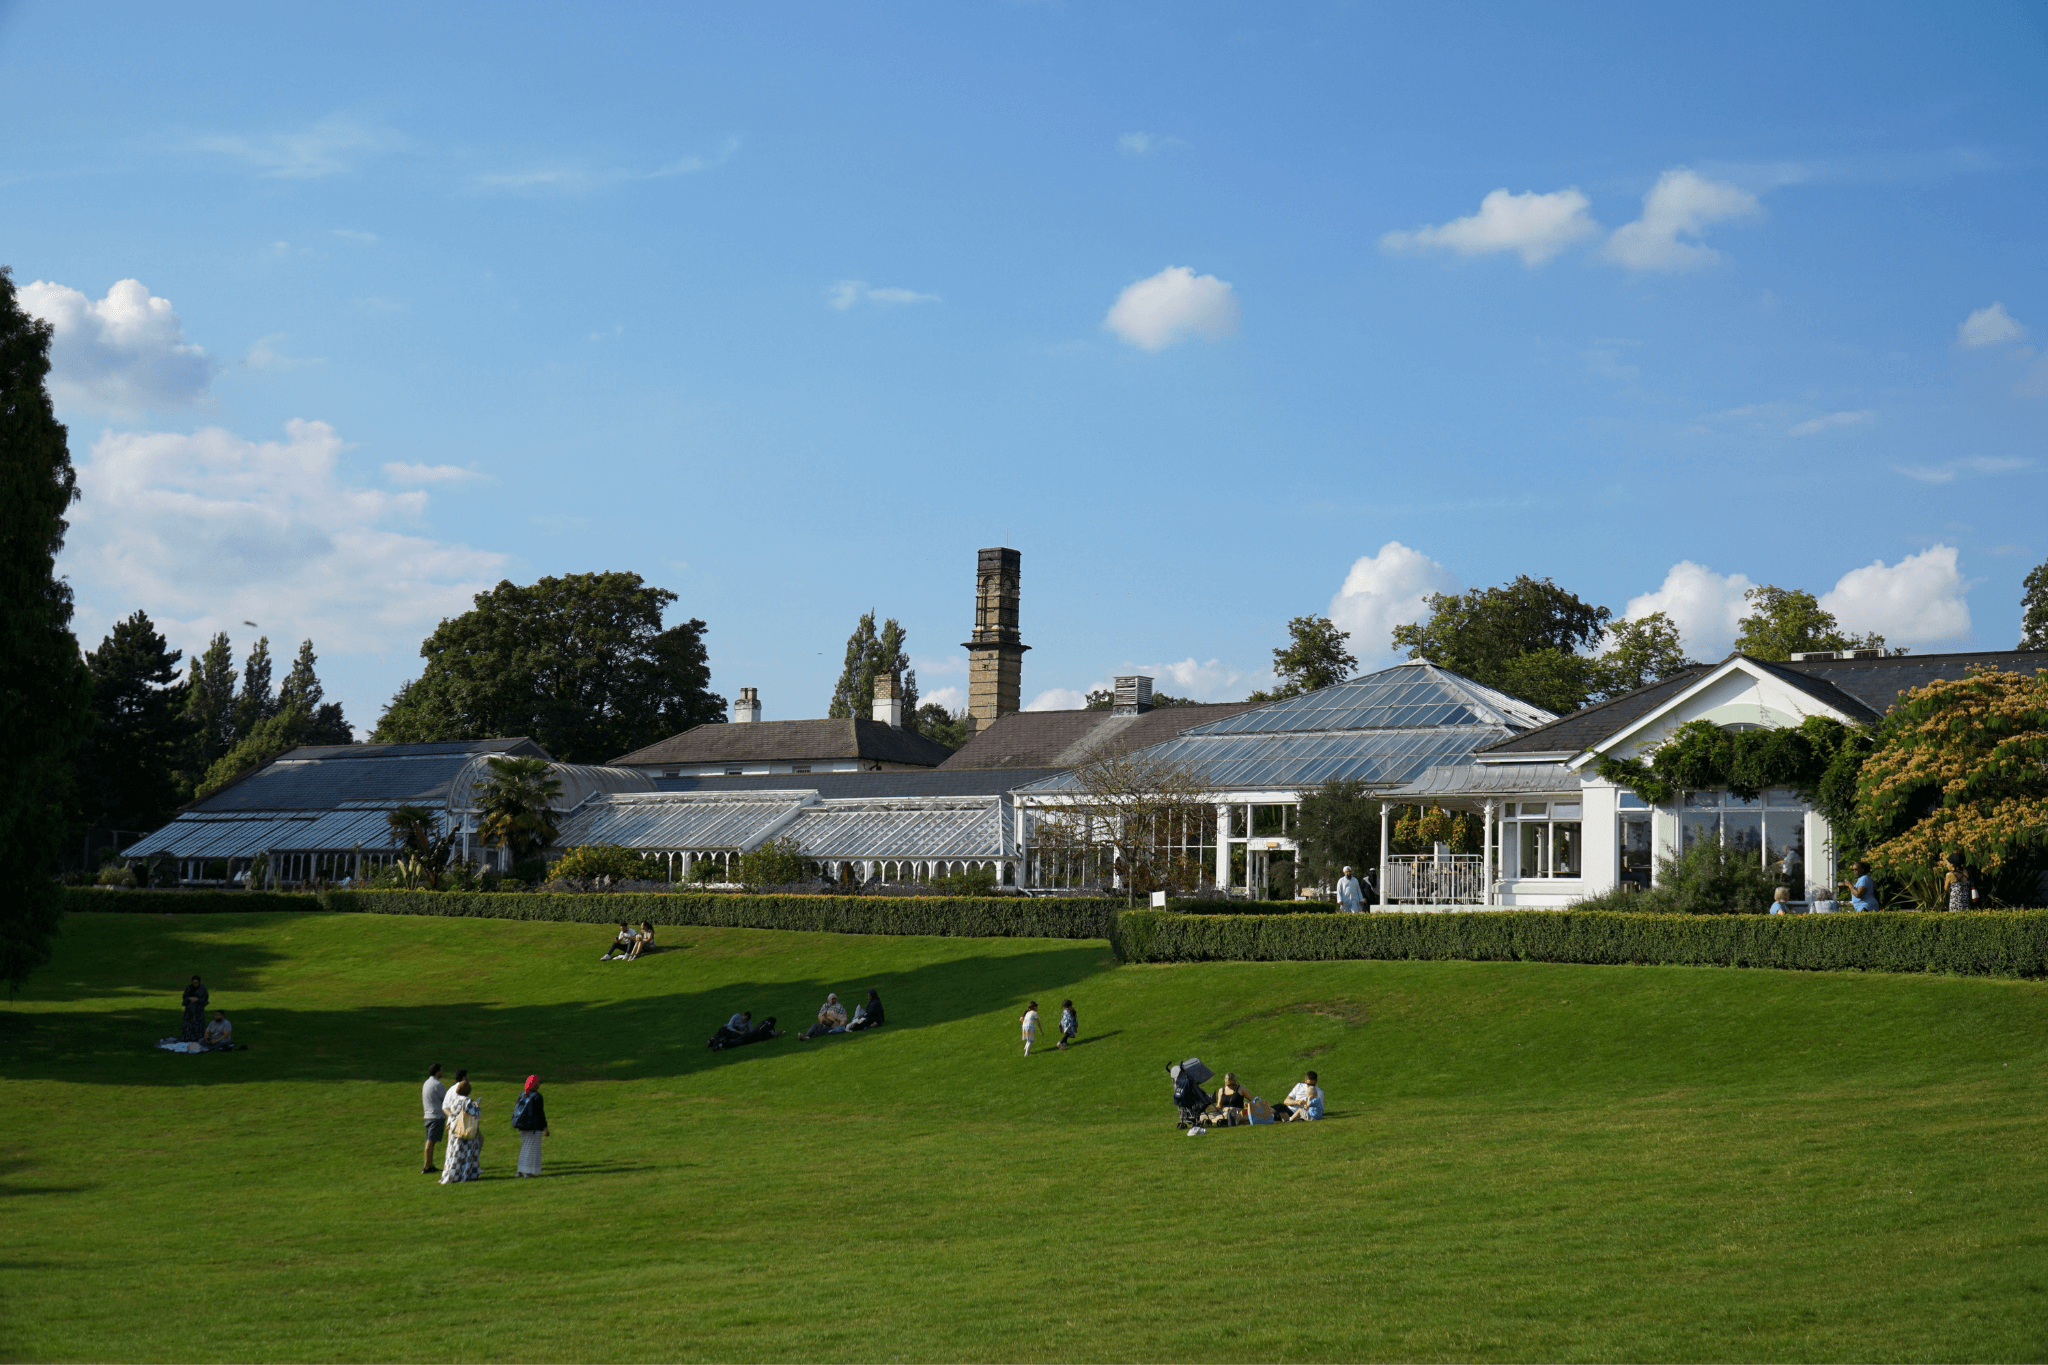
431 1095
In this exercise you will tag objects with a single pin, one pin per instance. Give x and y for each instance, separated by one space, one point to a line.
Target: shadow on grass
94 950
612 1040
9 1190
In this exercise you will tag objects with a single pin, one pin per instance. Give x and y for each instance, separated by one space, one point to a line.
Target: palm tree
428 847
515 805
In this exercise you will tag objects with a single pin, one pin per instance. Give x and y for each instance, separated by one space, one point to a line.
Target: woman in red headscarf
530 1117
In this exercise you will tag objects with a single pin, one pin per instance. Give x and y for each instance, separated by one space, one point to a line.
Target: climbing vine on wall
1819 759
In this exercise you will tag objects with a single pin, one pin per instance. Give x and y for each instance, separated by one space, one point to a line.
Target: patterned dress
465 1155
194 1027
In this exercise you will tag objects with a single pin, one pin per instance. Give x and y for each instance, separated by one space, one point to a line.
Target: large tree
2034 610
581 664
1639 652
255 703
870 653
45 691
1339 827
1528 638
1788 621
129 769
1314 656
210 702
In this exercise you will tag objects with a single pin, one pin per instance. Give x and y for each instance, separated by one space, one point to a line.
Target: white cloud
208 529
1057 699
1134 144
1382 591
1537 226
846 293
952 698
1917 601
1707 607
413 474
1991 326
1681 203
321 150
1970 464
123 353
1171 306
1814 426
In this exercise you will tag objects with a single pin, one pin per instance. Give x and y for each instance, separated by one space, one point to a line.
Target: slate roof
1584 728
1066 739
323 777
786 741
931 782
1877 683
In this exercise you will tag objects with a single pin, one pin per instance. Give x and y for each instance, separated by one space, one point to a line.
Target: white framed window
1771 826
1542 839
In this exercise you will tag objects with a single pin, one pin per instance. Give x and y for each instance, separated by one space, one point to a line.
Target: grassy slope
1524 1161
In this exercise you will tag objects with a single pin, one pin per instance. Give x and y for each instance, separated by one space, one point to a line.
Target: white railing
1426 879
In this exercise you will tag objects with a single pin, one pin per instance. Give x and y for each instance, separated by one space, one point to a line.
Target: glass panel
1745 802
1564 849
1692 828
1535 850
1635 850
1702 800
1779 796
1564 810
1744 832
1534 808
1630 801
1239 824
1785 848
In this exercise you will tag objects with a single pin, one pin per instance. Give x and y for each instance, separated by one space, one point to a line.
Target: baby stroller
1188 1095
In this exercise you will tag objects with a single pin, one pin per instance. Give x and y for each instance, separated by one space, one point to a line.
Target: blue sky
1221 314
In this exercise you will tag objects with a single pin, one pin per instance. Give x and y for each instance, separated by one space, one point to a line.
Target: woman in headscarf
868 1015
530 1117
465 1135
195 1012
831 1019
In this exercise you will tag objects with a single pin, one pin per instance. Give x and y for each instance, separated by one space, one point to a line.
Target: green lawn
1522 1161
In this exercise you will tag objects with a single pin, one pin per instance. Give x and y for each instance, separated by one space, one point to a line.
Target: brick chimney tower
995 654
889 700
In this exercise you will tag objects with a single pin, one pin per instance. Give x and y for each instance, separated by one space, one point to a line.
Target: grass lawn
1522 1161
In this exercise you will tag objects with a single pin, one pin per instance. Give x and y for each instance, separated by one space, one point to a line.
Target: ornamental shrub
605 860
1710 878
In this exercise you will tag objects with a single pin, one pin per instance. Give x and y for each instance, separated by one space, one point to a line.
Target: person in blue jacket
530 1117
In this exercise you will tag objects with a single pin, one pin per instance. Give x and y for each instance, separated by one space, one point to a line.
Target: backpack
1259 1111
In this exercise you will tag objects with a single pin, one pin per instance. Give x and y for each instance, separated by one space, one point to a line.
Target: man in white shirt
1305 1101
1350 894
431 1095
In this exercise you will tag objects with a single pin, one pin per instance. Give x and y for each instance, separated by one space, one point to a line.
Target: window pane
1269 822
1630 801
1534 808
1779 796
1785 848
1702 800
1564 849
1635 850
1692 828
1744 832
1564 810
1239 826
1535 849
1745 802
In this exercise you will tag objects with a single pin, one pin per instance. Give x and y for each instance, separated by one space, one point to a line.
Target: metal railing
1426 879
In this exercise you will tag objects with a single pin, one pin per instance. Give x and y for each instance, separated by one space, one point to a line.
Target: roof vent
1815 654
1133 695
748 707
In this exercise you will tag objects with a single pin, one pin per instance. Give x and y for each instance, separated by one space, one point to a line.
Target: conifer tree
44 689
210 702
869 654
129 768
254 704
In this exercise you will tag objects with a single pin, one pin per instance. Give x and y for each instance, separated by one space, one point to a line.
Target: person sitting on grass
868 1015
831 1019
1231 1102
220 1034
1305 1101
642 941
622 944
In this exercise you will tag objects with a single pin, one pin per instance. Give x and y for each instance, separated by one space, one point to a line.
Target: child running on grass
1070 1024
1030 1026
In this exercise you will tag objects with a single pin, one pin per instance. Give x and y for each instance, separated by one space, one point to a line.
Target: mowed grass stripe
1523 1160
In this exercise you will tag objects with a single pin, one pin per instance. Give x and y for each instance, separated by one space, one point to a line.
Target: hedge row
137 901
941 916
1977 943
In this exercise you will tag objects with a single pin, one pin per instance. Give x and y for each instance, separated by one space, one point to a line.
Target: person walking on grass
432 1094
530 1118
1030 1022
465 1134
1070 1024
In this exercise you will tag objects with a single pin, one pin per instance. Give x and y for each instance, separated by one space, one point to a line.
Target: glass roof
1289 762
1412 695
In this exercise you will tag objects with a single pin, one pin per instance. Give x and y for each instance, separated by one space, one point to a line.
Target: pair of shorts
436 1126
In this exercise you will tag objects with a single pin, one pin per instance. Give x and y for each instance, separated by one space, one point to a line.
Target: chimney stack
748 707
1133 695
888 702
995 653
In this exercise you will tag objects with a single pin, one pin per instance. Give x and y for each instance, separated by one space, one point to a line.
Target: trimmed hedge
944 917
163 901
1972 943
